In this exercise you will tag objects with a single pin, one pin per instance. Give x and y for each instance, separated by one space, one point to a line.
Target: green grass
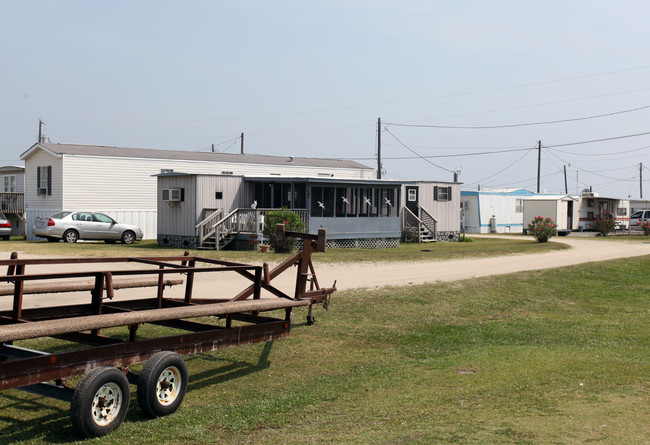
550 357
480 247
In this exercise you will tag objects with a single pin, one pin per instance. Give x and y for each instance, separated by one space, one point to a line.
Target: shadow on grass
229 370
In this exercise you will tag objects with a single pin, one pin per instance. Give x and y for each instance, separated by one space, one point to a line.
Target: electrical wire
506 168
469 127
603 154
417 154
343 108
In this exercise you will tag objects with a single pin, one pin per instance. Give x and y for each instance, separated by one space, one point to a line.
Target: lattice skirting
363 243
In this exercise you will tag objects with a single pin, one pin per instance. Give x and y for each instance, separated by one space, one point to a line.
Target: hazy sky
306 78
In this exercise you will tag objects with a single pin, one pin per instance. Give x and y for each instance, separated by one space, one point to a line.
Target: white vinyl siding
32 200
446 212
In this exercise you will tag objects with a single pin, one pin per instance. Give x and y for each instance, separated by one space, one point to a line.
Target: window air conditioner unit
41 191
173 195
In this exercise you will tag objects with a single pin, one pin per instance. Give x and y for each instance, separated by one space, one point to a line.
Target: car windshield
637 214
60 215
2 216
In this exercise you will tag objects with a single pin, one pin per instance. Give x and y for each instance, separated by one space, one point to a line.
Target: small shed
493 210
564 210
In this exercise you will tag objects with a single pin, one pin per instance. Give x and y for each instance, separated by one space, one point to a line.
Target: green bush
291 221
542 229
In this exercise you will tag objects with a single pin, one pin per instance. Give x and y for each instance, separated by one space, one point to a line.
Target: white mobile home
493 211
564 210
593 205
12 202
121 181
228 211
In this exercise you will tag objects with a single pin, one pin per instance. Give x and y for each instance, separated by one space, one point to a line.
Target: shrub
646 227
604 223
542 229
291 221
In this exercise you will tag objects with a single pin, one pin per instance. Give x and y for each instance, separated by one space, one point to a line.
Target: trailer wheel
162 384
100 402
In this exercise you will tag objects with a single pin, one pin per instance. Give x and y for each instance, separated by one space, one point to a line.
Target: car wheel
70 236
100 402
128 237
6 237
53 240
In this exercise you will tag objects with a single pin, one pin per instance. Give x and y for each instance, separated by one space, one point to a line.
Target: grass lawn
479 247
547 357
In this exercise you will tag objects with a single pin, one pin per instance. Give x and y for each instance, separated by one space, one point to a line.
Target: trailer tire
162 384
100 402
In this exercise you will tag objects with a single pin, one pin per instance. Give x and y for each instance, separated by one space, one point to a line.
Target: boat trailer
102 333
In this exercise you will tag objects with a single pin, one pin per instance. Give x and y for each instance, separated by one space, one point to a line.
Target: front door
570 215
412 196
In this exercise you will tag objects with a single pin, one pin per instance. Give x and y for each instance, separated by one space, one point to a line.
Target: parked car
638 217
5 227
73 226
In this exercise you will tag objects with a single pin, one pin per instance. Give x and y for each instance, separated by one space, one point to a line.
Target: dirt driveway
372 275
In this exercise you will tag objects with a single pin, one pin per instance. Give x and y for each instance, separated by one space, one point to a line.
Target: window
166 170
413 195
519 206
218 195
44 180
441 193
10 183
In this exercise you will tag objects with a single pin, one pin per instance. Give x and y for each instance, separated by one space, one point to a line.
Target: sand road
371 275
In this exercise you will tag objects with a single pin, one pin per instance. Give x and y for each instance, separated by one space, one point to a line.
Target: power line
599 140
352 107
436 156
485 127
417 154
603 154
501 171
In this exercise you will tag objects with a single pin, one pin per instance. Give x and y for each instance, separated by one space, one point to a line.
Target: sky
472 87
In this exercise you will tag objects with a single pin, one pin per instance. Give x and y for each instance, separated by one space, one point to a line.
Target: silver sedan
73 226
5 226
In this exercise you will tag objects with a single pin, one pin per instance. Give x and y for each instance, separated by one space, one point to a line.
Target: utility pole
242 143
40 130
212 148
539 162
566 187
378 148
641 180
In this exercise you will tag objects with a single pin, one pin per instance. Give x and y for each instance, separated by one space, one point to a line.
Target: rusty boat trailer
99 402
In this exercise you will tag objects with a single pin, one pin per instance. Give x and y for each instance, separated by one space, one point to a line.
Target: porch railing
12 202
415 227
205 229
237 221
